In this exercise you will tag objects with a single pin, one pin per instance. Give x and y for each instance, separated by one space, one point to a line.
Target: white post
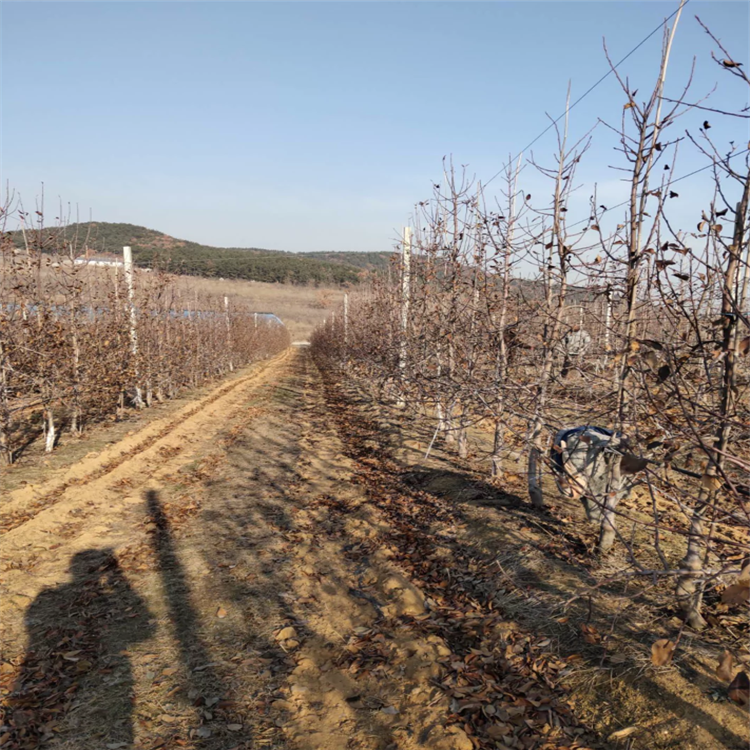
607 323
346 320
127 262
405 299
229 333
255 320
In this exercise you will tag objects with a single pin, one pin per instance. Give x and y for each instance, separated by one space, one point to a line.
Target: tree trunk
608 528
498 441
534 469
689 593
50 431
463 441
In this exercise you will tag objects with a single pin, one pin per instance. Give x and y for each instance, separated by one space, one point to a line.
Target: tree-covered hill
154 249
366 261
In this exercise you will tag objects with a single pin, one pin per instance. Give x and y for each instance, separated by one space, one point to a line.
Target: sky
318 126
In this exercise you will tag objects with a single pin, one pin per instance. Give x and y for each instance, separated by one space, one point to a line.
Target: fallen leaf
498 731
621 734
739 690
169 671
662 652
221 612
590 634
726 667
206 666
234 727
736 593
286 633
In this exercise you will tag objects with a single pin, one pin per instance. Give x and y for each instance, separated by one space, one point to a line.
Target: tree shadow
646 682
25 435
76 668
460 488
205 684
445 482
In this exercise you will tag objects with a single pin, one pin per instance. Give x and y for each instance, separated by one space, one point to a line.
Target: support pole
607 325
127 262
229 333
405 299
346 322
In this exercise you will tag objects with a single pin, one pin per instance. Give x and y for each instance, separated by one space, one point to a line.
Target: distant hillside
367 261
154 249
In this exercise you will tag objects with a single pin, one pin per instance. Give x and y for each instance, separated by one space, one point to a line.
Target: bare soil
275 565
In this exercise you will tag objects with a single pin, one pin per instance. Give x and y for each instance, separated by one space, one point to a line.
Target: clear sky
318 126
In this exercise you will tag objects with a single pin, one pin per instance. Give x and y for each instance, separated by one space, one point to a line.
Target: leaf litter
496 684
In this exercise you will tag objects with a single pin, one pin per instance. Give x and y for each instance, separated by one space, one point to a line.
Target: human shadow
76 676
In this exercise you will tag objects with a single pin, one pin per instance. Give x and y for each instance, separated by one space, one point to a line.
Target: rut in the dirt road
163 436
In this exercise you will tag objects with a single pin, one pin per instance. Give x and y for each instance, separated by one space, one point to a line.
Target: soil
275 564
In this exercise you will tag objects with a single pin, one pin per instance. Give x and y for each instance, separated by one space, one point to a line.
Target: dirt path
258 572
100 497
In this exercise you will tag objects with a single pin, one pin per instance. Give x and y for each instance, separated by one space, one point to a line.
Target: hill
366 261
153 249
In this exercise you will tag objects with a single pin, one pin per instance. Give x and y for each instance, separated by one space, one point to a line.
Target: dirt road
257 571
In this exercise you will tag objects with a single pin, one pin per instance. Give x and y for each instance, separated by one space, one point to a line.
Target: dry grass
301 308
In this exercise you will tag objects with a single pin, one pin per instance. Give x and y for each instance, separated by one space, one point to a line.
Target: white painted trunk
497 449
50 431
463 443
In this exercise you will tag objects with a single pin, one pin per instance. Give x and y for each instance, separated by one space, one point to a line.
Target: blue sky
318 126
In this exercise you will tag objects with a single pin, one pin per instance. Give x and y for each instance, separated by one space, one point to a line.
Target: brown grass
302 308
